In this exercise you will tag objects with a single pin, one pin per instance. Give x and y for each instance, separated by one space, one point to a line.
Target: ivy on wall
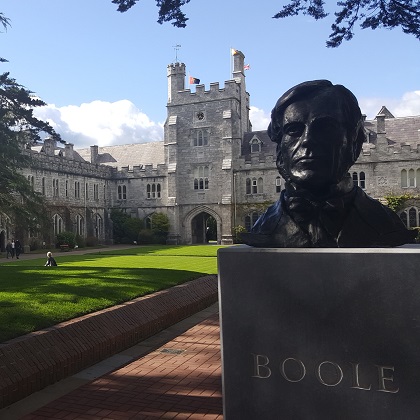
397 202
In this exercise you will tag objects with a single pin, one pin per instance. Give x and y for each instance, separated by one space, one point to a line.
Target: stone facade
210 174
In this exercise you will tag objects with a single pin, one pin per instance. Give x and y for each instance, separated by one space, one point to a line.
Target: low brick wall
36 360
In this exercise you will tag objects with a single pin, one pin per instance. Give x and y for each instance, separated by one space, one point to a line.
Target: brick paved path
180 380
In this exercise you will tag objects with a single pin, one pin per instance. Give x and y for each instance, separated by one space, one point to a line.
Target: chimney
49 146
93 154
68 151
380 124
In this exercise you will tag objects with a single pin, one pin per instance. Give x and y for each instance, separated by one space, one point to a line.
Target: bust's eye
294 129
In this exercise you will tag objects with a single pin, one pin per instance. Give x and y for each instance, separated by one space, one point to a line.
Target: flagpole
230 60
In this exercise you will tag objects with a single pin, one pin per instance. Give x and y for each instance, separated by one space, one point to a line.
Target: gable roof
151 153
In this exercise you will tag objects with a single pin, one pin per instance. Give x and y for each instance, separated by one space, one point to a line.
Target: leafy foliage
237 230
396 202
18 130
125 228
66 238
160 224
5 22
169 10
370 13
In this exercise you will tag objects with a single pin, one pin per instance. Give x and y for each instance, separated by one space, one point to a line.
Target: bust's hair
348 102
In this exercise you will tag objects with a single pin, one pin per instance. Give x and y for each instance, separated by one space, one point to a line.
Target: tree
125 228
160 225
371 14
19 129
169 10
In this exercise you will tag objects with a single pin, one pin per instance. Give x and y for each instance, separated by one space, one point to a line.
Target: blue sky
103 73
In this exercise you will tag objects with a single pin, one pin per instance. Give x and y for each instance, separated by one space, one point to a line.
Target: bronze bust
318 128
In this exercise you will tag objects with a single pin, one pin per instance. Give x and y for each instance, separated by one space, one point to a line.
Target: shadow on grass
32 298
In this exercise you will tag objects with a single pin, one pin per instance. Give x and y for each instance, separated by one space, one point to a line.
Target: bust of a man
318 128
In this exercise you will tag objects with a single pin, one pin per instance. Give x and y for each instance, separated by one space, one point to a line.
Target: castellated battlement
231 89
392 152
174 68
62 164
140 171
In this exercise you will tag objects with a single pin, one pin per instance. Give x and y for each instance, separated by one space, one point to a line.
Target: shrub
236 231
160 226
66 238
125 228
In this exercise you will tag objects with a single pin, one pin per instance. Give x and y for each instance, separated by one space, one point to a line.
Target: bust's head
318 128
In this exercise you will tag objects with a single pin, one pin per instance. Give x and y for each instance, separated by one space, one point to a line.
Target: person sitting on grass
50 260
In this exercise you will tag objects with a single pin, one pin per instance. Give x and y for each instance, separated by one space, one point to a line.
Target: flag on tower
194 81
234 52
247 67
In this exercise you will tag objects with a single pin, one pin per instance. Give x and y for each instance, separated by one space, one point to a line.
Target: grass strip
33 297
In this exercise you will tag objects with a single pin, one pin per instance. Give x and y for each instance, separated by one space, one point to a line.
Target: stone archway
201 225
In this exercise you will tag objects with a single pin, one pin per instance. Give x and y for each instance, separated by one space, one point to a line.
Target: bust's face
314 145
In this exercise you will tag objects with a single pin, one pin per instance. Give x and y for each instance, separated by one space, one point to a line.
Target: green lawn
33 296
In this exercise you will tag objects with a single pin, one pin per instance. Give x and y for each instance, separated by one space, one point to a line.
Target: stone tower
203 134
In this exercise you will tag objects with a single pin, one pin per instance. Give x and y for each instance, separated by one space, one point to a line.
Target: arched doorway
203 228
195 226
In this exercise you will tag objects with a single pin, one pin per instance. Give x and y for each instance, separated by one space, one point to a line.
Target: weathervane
176 47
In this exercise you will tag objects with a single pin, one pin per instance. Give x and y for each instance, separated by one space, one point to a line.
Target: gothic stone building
210 169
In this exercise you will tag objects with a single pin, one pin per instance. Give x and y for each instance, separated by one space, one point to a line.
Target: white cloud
259 118
111 123
101 123
408 105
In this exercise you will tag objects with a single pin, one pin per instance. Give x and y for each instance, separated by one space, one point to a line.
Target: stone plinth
320 333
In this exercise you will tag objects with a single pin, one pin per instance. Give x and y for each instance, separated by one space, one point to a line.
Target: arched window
56 191
248 186
77 189
96 192
122 192
355 179
201 138
362 180
148 222
410 178
80 225
250 220
410 217
404 183
58 224
201 180
359 179
254 184
278 184
255 145
153 190
99 226
260 185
